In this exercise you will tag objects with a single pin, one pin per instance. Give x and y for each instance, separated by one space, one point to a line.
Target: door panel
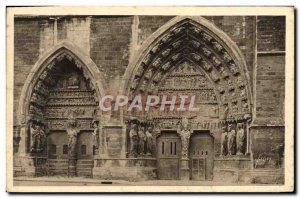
201 156
169 147
198 168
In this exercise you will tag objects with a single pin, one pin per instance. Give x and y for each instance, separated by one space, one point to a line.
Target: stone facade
235 65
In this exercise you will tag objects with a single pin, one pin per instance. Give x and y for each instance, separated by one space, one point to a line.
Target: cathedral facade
234 65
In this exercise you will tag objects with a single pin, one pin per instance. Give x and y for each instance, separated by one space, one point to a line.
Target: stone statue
240 139
73 81
96 134
231 140
149 141
224 141
72 132
38 138
185 135
142 140
133 140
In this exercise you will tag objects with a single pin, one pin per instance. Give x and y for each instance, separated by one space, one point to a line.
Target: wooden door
201 156
169 148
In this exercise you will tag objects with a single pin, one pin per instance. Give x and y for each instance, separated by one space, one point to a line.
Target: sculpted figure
231 140
240 139
133 140
142 140
226 57
245 105
96 134
217 46
149 141
73 80
72 132
240 82
185 135
224 149
148 73
38 137
215 76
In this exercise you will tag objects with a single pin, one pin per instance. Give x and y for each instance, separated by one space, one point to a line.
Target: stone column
22 150
184 161
185 134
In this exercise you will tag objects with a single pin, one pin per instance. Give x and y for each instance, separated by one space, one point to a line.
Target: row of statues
233 140
141 139
38 138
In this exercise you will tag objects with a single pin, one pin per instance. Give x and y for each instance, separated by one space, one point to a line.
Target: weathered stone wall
267 133
26 53
110 42
270 70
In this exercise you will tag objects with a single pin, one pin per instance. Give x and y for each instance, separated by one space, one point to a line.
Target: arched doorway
190 56
61 89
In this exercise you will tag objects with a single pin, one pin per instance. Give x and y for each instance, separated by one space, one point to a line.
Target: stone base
238 169
267 176
131 169
23 165
184 169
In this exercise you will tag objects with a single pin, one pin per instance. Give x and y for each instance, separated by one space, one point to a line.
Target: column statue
133 140
142 140
224 141
240 139
149 141
95 135
231 140
38 138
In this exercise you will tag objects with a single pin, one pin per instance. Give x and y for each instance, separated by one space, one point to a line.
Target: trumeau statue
72 132
240 138
185 134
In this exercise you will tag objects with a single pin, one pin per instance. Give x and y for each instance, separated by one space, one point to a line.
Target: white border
174 11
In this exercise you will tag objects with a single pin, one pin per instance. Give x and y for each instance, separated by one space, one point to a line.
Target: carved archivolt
189 41
46 103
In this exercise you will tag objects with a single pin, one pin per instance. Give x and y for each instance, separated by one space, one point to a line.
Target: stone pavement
79 181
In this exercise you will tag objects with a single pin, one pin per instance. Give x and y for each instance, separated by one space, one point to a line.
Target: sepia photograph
150 99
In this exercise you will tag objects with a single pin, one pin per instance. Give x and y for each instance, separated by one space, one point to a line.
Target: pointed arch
196 39
45 64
